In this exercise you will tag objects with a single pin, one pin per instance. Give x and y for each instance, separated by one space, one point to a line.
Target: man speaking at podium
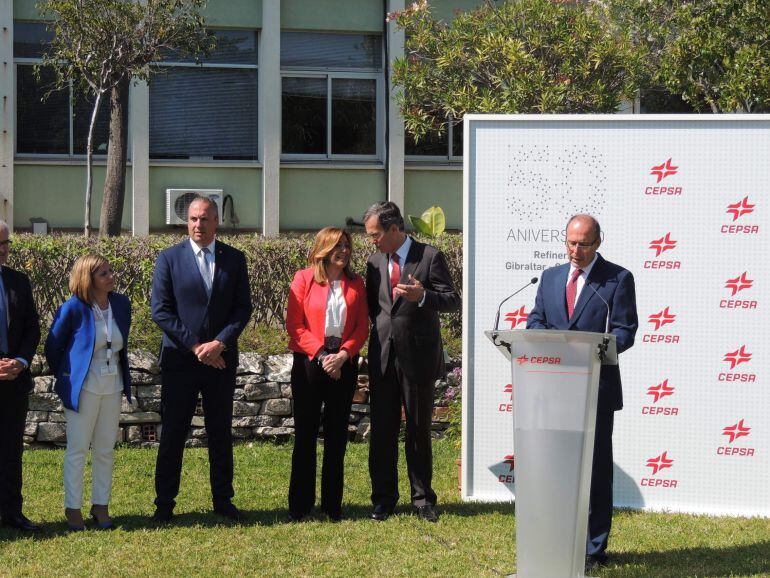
591 294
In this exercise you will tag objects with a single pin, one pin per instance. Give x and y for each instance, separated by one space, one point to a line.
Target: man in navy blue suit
201 301
564 302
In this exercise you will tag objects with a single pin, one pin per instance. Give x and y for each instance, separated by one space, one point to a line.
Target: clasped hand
10 368
210 353
333 362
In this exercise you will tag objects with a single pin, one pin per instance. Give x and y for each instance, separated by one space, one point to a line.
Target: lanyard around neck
107 319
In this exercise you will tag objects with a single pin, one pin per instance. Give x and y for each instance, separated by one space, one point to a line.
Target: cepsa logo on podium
733 433
507 406
737 211
734 359
736 285
659 320
659 392
657 465
508 478
660 246
661 172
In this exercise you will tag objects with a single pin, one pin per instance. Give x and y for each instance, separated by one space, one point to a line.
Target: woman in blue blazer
88 354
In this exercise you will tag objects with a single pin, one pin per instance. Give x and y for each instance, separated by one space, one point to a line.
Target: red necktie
395 275
572 292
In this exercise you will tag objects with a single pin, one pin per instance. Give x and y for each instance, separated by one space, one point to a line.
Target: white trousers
94 426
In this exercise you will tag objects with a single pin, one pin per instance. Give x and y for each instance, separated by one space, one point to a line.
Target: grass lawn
469 539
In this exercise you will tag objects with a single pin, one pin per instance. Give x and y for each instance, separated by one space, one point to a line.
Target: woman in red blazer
327 321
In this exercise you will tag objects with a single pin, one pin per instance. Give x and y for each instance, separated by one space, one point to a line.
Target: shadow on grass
739 560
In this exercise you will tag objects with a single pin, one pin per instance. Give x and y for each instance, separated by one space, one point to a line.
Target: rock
51 432
241 408
363 381
30 429
250 362
56 417
360 408
272 431
198 421
133 434
45 402
148 391
44 384
149 404
37 416
198 432
287 422
241 433
126 407
286 390
360 395
140 417
364 429
266 420
39 366
195 443
244 380
141 360
143 378
258 391
239 394
277 407
278 367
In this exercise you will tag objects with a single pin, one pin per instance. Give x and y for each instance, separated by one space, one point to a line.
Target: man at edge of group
201 301
564 302
19 337
407 285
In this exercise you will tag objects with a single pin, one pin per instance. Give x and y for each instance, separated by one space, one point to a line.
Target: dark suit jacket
616 285
24 325
404 329
185 313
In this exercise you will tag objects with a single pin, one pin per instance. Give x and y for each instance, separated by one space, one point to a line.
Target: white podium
555 389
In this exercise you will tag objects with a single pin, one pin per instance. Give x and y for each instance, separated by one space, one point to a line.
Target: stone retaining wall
262 405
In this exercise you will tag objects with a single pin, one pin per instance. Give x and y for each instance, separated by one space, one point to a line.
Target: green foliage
715 53
432 222
271 262
519 56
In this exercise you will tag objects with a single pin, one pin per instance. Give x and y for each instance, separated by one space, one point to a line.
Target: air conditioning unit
178 200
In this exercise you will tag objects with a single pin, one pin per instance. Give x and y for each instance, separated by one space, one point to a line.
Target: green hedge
272 263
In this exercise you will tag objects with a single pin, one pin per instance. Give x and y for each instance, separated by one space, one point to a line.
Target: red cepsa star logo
517 317
742 207
522 360
661 318
511 461
740 283
736 431
663 244
664 170
660 391
508 389
737 357
660 462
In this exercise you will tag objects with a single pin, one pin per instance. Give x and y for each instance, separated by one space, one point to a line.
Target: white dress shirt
336 310
205 261
581 280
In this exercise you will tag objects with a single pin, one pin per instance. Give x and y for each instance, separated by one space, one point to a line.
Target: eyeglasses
576 244
6 243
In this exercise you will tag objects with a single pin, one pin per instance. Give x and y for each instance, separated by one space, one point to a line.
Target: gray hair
204 199
387 214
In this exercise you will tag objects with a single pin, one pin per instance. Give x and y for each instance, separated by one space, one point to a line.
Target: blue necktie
3 319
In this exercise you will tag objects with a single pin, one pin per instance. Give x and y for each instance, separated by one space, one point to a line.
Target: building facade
292 116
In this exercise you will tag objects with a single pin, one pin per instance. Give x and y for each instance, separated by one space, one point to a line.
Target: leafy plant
432 222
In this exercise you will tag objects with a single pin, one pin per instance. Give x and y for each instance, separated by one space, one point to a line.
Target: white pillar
395 144
140 158
269 121
7 97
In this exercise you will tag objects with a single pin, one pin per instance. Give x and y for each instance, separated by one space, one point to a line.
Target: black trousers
600 501
179 396
13 415
311 387
386 398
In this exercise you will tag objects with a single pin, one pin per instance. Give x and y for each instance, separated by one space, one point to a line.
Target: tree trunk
90 165
117 150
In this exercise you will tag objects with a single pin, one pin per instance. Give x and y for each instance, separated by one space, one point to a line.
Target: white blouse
97 382
336 310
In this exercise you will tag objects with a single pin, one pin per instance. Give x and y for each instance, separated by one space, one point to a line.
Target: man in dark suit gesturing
407 285
564 302
19 336
201 301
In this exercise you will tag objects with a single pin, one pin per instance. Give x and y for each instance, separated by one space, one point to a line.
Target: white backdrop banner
683 204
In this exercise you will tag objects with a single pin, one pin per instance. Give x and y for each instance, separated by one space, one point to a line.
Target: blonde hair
82 275
325 241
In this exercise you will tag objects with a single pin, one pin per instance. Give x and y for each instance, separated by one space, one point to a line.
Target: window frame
449 158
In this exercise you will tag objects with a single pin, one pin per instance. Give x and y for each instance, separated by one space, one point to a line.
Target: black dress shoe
427 513
380 514
21 522
595 562
229 511
162 515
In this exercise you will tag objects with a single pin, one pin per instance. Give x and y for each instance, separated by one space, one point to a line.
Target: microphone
606 340
499 307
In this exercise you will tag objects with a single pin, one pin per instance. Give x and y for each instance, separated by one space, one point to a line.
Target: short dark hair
387 213
597 226
204 199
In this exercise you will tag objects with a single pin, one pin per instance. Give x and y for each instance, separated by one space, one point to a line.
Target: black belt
332 344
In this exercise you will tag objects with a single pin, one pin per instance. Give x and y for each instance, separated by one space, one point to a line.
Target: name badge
108 370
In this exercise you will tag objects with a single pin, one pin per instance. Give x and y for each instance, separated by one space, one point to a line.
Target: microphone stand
499 307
